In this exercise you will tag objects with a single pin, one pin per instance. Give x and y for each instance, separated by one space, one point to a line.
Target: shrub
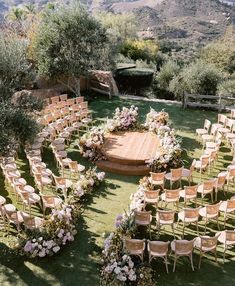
168 71
198 78
140 49
227 88
15 71
69 41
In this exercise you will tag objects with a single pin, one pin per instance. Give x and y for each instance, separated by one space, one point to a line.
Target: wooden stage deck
126 152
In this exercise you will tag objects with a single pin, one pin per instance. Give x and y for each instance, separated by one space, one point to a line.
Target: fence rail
209 101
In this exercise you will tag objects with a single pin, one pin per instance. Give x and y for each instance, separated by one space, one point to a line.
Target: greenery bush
227 88
168 71
70 42
197 78
15 70
145 50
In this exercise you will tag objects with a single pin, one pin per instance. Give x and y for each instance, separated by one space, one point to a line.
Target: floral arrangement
87 181
169 155
155 119
124 119
58 230
91 142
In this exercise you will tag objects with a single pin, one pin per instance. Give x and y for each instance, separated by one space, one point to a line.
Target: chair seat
29 189
46 181
182 195
163 197
66 161
181 217
151 201
34 198
155 182
201 190
16 217
9 208
201 131
185 173
169 177
2 200
207 137
203 213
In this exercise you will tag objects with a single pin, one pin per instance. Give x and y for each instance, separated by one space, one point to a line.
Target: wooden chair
188 173
206 244
220 183
51 202
75 168
210 212
165 218
157 179
174 176
55 99
12 216
211 136
189 194
143 218
227 238
182 248
205 129
207 188
202 164
171 196
227 207
32 223
188 216
63 97
230 176
158 249
151 197
135 247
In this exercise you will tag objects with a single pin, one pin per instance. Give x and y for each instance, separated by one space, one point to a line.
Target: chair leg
172 226
215 252
200 260
166 263
205 227
191 260
225 248
175 259
197 228
218 223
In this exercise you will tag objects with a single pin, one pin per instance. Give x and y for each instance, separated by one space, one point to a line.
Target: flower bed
59 228
169 154
118 267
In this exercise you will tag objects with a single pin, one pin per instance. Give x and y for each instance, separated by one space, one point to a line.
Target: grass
79 262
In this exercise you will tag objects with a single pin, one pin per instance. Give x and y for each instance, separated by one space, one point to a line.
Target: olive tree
70 42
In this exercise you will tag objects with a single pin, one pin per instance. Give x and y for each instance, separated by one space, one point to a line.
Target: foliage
222 52
198 78
227 88
68 42
15 70
120 27
168 71
140 49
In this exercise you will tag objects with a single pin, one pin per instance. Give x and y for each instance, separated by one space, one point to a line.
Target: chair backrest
229 124
213 209
184 246
134 245
161 247
157 176
151 194
230 235
207 124
221 178
63 97
73 165
192 167
84 105
204 160
166 215
55 99
191 212
176 173
71 101
79 99
49 199
232 113
191 190
209 185
231 204
231 171
144 216
214 129
209 242
222 118
213 155
172 194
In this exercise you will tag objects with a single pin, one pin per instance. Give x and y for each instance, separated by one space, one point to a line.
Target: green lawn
79 262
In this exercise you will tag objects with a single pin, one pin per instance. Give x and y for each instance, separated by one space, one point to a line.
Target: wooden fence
209 101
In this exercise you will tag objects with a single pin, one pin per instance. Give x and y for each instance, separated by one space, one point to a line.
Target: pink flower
28 246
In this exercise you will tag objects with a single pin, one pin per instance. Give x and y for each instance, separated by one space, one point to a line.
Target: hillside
183 21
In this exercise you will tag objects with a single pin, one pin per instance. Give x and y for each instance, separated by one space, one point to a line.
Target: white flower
56 248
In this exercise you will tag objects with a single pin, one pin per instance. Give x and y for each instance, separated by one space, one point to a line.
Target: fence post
184 100
220 107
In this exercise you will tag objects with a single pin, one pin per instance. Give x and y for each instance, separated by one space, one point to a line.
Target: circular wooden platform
127 152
